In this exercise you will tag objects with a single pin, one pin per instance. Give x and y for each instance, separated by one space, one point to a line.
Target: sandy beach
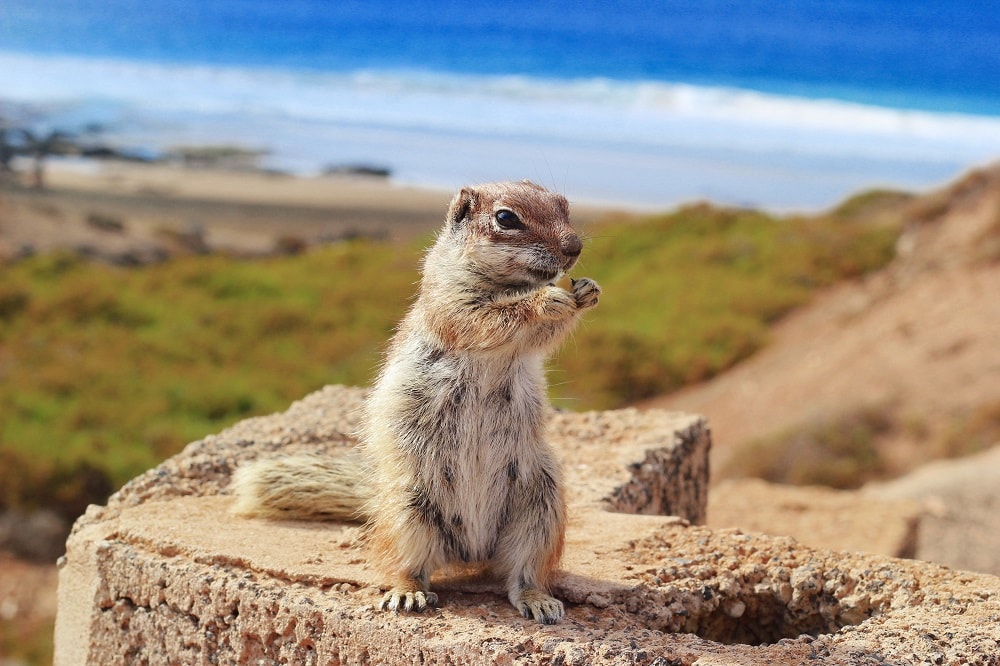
244 187
134 210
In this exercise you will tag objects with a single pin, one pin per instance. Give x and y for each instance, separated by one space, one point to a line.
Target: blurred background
209 209
642 103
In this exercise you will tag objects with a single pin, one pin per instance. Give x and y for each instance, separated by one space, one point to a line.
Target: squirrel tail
307 487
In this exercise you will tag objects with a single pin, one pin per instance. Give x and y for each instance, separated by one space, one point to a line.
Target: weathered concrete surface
163 575
821 517
653 463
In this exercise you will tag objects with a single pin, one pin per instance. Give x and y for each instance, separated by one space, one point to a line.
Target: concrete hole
759 606
762 619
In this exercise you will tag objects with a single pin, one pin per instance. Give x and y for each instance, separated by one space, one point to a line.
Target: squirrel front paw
586 292
558 303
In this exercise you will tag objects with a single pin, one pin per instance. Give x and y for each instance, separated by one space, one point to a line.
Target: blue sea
785 105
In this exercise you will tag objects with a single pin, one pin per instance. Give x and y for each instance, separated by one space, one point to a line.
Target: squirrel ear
460 208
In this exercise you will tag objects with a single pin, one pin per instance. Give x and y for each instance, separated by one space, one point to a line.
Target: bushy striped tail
303 487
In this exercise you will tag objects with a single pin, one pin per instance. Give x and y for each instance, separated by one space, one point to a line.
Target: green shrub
105 371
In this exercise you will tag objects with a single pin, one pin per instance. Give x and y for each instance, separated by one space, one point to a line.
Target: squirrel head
511 235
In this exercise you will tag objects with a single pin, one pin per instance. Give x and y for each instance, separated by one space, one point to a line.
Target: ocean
787 106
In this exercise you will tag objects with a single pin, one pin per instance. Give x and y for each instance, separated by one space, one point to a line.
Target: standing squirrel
453 465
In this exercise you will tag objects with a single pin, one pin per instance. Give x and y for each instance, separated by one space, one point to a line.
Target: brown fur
457 470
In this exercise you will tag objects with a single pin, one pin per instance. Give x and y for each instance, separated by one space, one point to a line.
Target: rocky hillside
869 382
876 376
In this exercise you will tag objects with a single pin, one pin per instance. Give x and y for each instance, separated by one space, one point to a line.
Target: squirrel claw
534 604
586 292
407 600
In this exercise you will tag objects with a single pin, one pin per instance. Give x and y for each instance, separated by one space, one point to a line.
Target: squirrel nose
571 245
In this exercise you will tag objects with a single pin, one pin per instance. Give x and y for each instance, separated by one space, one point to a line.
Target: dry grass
836 450
971 433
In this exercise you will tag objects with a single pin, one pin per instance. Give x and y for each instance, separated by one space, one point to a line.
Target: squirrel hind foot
535 604
411 593
403 600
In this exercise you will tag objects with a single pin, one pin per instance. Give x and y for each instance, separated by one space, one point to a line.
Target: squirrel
453 467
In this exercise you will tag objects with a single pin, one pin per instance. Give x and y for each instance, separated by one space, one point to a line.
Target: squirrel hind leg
530 549
536 604
411 593
527 570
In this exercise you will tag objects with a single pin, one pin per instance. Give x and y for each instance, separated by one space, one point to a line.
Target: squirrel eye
508 219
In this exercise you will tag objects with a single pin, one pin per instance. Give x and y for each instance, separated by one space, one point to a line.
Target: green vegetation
26 642
105 371
687 295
